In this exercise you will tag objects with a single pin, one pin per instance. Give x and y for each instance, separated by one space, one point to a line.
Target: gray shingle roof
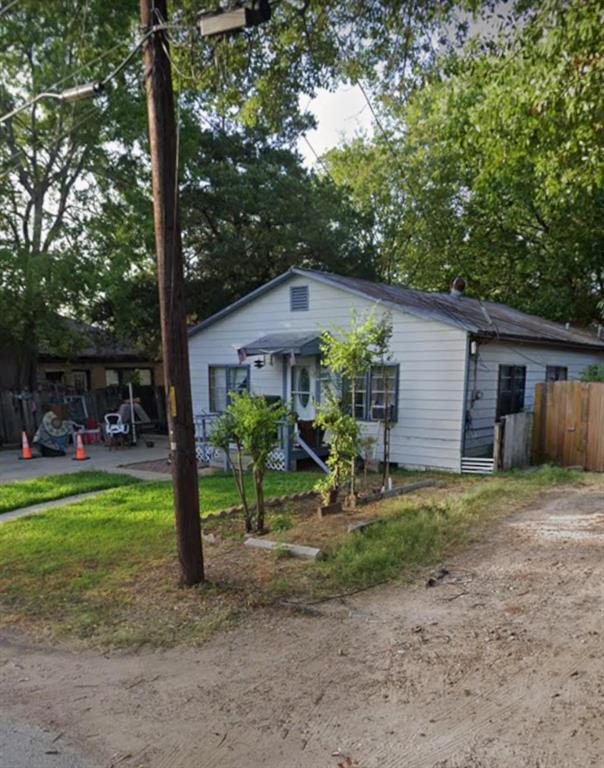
480 318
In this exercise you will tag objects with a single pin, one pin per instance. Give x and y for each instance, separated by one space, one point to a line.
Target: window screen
298 298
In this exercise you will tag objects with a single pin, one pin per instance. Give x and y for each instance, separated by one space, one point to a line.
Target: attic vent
298 298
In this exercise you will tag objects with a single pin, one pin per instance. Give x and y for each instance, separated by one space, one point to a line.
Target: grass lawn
75 566
419 534
24 493
104 569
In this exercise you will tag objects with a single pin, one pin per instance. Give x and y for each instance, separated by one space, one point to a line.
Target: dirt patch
498 666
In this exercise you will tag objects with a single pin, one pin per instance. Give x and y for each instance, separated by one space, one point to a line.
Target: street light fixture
222 22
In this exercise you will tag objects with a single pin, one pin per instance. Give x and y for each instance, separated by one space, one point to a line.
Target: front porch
292 452
283 367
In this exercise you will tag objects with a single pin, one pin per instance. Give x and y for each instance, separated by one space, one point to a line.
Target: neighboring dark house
92 360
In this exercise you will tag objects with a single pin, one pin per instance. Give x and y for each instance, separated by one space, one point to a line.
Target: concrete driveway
101 458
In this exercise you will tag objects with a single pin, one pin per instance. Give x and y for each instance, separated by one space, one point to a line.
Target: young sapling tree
350 353
253 424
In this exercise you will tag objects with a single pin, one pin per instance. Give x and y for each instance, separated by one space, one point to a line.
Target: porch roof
301 343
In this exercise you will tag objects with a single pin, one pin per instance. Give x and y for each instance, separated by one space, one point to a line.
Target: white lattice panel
276 460
204 452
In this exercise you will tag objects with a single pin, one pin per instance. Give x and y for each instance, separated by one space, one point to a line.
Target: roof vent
298 298
458 286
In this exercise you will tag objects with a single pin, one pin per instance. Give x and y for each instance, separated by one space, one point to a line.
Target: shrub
281 522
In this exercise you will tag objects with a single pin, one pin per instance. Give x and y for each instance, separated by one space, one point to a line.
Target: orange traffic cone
80 452
26 454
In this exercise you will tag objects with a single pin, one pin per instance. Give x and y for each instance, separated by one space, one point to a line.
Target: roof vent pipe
458 286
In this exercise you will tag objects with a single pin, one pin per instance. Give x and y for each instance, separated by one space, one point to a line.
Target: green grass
104 569
218 491
24 493
75 566
418 532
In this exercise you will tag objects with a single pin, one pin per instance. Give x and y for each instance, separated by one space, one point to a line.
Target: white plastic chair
115 429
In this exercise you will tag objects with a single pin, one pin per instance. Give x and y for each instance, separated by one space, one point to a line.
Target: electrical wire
59 96
6 8
6 170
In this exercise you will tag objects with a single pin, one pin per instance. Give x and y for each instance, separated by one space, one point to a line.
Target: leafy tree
494 169
252 424
48 154
224 432
344 437
593 373
251 210
349 353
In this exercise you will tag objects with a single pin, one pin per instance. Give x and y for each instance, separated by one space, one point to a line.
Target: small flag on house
241 355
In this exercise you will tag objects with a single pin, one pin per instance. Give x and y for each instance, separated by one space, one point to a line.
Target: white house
458 363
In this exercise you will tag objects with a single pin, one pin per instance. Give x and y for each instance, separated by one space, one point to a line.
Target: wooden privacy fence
568 427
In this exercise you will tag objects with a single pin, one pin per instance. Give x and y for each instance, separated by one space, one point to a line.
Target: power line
318 157
87 89
6 8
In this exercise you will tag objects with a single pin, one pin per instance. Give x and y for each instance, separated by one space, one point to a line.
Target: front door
303 388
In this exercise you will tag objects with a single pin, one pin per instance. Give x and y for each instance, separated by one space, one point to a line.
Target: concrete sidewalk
34 509
101 458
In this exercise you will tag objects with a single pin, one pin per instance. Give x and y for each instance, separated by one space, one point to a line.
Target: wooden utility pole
164 171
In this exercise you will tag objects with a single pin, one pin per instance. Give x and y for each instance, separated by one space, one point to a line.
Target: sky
340 115
343 113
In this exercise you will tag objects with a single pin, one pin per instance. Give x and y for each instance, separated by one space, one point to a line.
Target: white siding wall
432 358
484 376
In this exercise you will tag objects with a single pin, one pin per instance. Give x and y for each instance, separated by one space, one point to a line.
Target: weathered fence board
516 441
568 425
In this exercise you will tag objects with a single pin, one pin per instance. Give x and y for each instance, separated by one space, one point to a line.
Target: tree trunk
238 476
353 463
259 484
241 487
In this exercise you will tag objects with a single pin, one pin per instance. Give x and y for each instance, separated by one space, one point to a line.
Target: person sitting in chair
53 432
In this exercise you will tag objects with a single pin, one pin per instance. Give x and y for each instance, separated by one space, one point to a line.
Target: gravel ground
29 747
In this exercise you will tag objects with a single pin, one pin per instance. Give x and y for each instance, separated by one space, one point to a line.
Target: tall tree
64 169
495 169
47 156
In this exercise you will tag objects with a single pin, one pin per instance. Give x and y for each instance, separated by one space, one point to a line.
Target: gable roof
479 318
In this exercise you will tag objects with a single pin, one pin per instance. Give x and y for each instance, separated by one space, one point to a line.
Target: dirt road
498 666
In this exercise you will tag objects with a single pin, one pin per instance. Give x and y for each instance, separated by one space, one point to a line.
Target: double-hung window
224 380
383 394
376 394
510 397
